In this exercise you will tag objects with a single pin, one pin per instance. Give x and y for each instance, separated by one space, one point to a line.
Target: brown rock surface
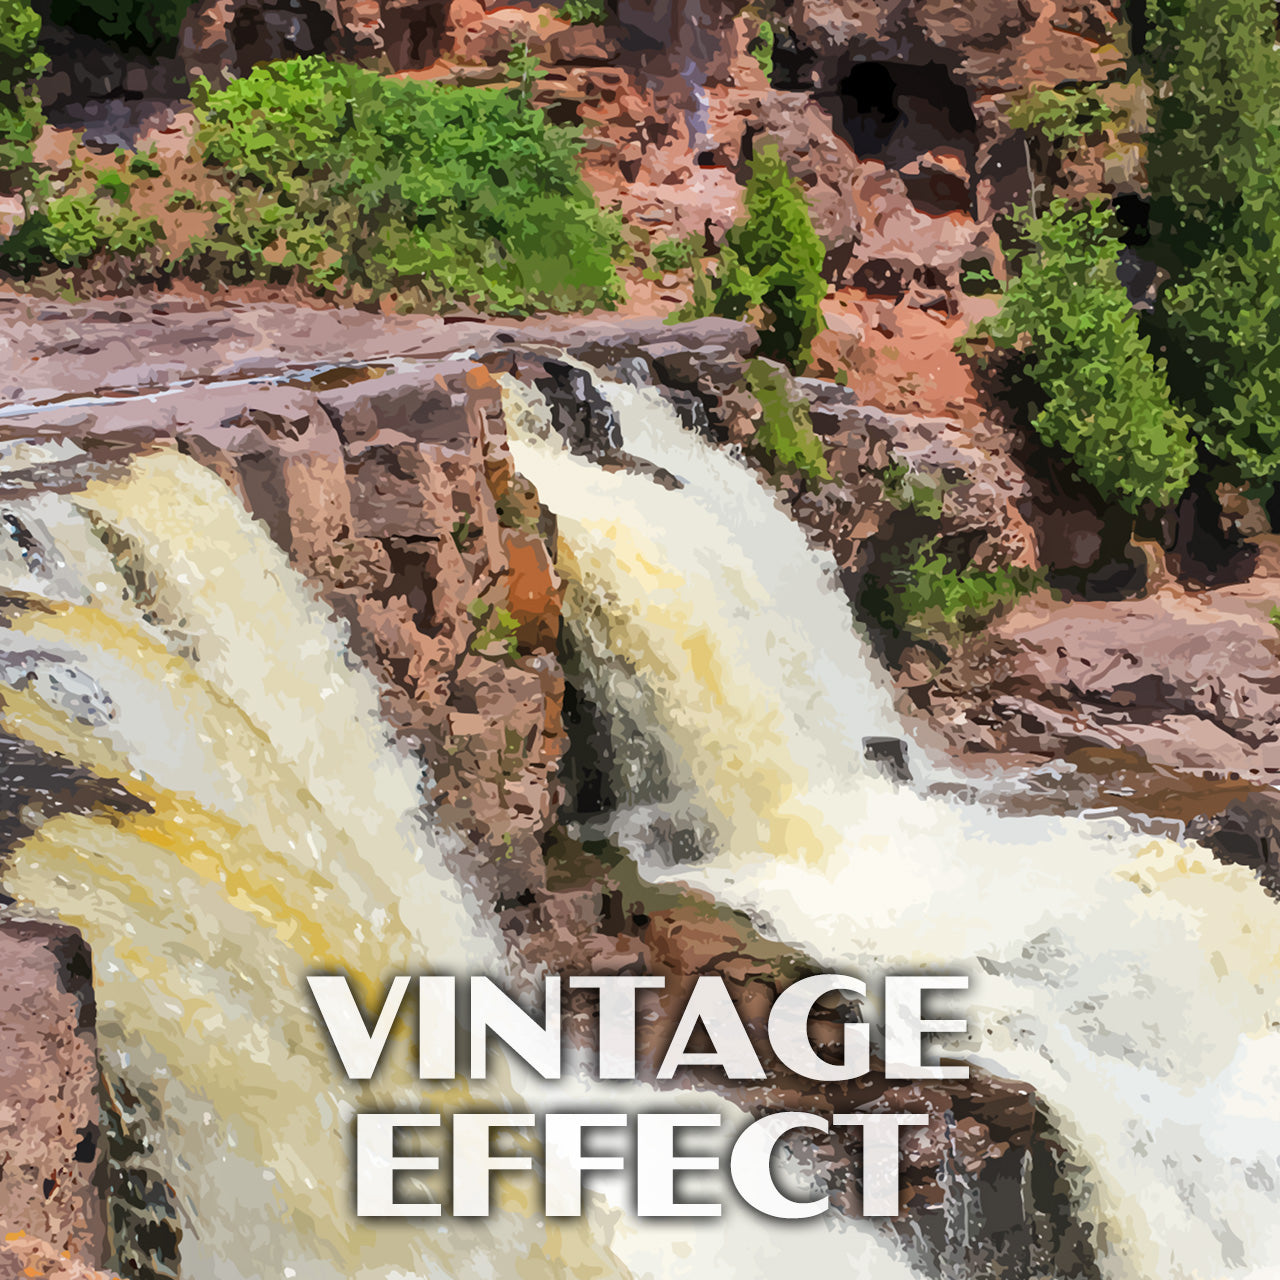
1191 682
23 1257
51 1157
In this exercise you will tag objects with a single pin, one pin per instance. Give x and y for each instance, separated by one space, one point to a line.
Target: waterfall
263 828
1134 982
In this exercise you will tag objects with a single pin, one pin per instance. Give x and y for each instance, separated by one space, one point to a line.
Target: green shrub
21 117
1099 394
977 278
585 11
1060 115
495 626
1215 130
69 230
915 591
784 433
773 260
144 165
678 252
761 46
342 178
930 593
113 185
1213 153
148 25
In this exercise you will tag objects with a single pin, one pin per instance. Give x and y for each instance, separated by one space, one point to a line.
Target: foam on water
1134 982
154 634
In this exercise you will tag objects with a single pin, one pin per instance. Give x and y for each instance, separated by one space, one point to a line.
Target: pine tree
21 117
1100 396
1213 153
773 259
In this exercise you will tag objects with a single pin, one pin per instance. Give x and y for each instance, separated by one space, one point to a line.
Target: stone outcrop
52 1171
599 912
1189 681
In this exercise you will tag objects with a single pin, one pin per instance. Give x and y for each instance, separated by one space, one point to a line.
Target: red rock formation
51 1158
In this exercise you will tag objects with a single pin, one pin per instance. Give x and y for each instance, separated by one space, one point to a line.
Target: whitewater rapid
152 633
1134 982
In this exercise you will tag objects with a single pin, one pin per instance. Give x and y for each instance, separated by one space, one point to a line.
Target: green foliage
524 68
761 46
113 185
585 12
773 261
496 626
931 593
1059 115
342 178
977 278
1101 397
917 492
1213 153
678 252
784 433
1215 130
144 165
21 117
71 229
1221 325
917 592
148 25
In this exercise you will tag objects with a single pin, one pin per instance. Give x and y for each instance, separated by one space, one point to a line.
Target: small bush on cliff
1098 393
69 230
784 433
344 179
916 592
21 118
772 261
585 12
1213 152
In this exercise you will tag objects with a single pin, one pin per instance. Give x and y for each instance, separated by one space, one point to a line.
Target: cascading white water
1135 983
152 633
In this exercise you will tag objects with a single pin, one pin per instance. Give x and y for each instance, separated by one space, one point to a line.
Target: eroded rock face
51 1144
23 1257
397 497
942 478
1190 682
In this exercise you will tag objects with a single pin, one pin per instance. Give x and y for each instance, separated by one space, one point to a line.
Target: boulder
52 1170
1190 683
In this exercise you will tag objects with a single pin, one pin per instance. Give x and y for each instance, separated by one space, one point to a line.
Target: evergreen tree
1100 396
21 118
773 259
1213 154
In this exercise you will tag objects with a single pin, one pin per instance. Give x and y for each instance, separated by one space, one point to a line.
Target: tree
1213 152
1099 394
21 117
773 260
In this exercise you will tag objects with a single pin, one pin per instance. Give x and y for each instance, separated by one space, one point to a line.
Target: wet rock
52 1171
585 420
1189 683
890 756
1247 832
